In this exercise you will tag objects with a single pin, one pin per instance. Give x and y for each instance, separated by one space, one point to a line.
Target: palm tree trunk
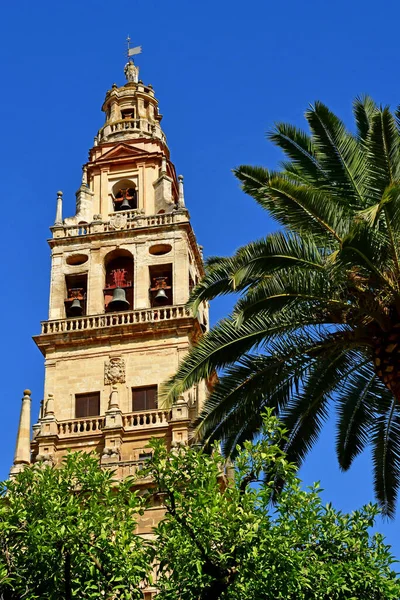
386 357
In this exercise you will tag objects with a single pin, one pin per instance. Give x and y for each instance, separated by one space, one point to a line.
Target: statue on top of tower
131 72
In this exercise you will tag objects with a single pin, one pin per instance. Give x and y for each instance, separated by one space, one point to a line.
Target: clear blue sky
223 72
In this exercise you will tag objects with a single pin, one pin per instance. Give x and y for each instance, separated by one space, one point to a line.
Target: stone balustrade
150 418
120 220
123 124
132 317
90 425
127 127
129 468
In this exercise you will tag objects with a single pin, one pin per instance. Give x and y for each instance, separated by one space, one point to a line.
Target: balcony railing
95 425
120 220
90 425
151 418
124 124
130 468
132 317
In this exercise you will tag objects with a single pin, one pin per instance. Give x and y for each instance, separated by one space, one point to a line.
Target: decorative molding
114 371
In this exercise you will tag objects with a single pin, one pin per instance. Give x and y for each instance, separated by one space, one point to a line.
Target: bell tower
121 272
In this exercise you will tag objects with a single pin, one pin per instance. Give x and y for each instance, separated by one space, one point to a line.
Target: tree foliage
318 316
222 539
71 532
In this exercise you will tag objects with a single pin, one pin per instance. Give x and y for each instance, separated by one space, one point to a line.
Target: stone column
181 198
22 455
58 220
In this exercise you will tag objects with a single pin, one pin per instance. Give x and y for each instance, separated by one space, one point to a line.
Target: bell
119 301
161 297
125 204
76 309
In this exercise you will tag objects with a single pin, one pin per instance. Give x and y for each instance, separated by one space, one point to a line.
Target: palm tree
317 322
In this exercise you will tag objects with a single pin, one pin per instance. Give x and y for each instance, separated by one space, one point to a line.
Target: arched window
125 195
118 289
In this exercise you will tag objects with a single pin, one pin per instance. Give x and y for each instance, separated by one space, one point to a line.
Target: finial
131 70
27 393
58 220
181 197
84 174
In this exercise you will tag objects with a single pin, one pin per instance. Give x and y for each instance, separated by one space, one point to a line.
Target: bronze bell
119 301
125 204
161 297
76 309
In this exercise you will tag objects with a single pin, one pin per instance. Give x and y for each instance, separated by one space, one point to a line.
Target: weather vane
132 51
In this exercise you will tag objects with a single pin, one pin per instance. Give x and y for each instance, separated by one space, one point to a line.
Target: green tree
221 540
69 533
317 321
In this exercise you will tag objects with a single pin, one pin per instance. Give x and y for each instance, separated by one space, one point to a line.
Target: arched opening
118 289
124 195
76 293
161 292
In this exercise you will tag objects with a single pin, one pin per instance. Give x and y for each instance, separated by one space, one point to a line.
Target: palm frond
385 439
356 400
224 344
276 252
303 209
219 280
308 410
339 154
363 108
307 290
382 146
368 249
298 146
244 388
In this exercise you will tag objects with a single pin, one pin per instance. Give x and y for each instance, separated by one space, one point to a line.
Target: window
144 398
87 405
128 113
145 455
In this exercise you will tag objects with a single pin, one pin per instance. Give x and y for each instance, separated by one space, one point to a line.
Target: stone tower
122 269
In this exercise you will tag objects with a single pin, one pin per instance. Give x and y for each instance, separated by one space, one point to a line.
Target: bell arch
124 195
118 281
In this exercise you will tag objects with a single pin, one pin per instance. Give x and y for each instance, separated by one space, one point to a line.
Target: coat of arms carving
118 221
114 371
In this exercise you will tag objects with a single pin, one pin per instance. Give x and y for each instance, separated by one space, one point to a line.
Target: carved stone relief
118 222
114 371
